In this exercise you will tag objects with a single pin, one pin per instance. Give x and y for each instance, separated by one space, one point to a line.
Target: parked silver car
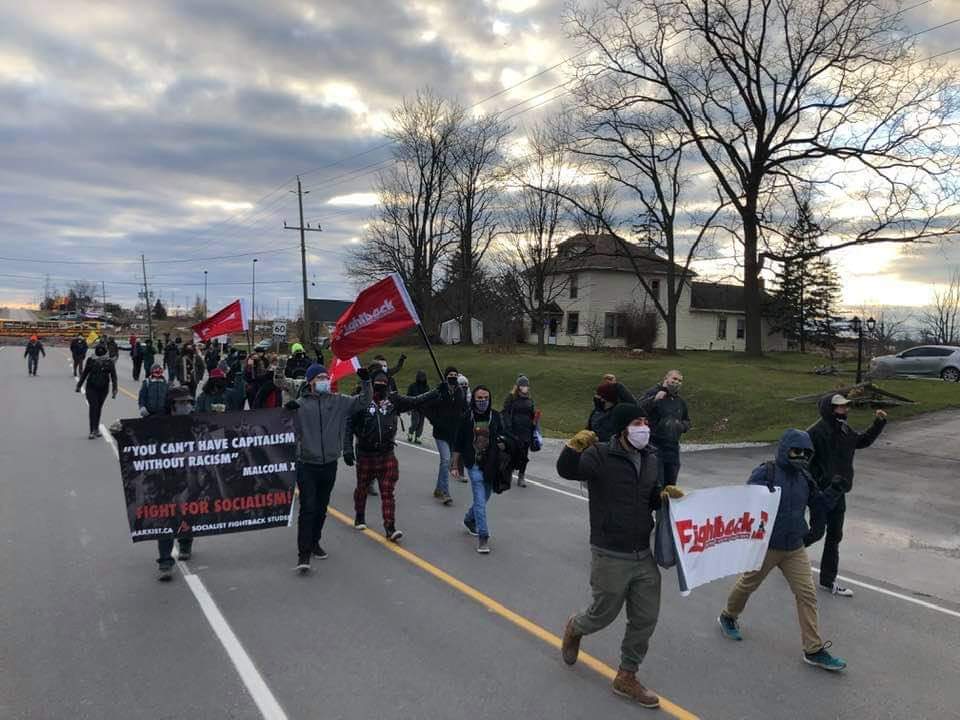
941 361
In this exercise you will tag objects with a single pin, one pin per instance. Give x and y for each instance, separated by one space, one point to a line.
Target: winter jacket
34 349
834 443
622 497
419 386
797 492
296 368
190 369
601 421
375 425
99 372
136 351
112 349
211 358
668 421
231 396
518 417
321 423
78 347
464 444
446 413
149 356
171 354
153 396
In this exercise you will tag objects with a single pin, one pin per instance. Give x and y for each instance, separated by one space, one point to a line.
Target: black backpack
99 376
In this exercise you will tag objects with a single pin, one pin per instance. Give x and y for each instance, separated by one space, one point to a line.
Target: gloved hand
363 374
144 412
582 440
671 492
348 459
292 405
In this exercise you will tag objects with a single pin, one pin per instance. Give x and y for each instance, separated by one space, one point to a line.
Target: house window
655 288
574 287
612 325
741 328
573 323
722 327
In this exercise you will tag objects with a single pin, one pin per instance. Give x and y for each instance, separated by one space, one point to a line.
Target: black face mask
452 381
101 350
380 389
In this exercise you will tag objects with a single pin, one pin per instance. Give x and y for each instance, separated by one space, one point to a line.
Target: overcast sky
174 129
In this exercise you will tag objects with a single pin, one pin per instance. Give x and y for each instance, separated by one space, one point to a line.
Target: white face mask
638 436
322 386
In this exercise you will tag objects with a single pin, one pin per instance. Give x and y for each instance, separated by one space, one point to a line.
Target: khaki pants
615 582
795 567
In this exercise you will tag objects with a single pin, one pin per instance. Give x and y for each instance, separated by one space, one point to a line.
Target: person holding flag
320 421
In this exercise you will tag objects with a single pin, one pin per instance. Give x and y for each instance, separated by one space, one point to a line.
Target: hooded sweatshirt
668 421
834 444
419 386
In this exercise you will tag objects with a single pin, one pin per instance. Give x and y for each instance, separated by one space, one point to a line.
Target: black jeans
95 399
165 549
32 362
77 365
830 561
137 364
316 484
669 470
416 423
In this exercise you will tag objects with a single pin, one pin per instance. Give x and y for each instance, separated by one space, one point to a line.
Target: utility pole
205 313
303 259
146 299
104 286
253 303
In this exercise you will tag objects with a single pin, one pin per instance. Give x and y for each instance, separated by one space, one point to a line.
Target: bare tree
596 206
474 159
530 262
410 234
890 327
784 95
941 322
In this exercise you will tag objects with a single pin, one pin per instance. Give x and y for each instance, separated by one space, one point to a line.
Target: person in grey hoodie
320 420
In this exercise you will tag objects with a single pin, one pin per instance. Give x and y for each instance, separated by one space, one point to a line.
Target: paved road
17 314
85 631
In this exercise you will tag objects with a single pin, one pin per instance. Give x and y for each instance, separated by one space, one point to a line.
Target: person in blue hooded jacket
790 472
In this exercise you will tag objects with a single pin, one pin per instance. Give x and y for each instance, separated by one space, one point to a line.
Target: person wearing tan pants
786 550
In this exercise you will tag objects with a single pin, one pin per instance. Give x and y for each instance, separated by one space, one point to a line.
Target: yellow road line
493 606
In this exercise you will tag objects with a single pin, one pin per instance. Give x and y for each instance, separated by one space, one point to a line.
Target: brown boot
626 685
570 648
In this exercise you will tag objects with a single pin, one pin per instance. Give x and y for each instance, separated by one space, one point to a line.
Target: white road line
252 679
858 583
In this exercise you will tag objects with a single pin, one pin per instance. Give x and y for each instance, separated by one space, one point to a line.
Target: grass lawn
731 397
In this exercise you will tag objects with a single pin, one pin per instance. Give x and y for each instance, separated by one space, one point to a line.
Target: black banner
207 474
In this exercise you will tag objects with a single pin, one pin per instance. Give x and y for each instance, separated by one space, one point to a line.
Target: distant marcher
218 396
484 445
391 372
32 352
519 417
211 356
171 359
834 445
178 402
153 393
668 421
418 387
297 363
113 350
149 356
136 356
601 417
623 394
190 369
786 549
99 374
78 351
622 477
445 415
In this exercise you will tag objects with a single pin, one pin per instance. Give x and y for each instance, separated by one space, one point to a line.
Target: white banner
722 531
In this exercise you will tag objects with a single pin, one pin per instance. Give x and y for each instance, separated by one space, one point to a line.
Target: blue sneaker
822 659
729 627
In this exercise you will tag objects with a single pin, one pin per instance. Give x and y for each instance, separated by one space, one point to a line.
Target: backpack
99 376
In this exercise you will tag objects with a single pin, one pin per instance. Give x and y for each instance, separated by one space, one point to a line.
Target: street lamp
253 306
205 294
857 325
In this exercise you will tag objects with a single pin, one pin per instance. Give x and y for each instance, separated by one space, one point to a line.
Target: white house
598 278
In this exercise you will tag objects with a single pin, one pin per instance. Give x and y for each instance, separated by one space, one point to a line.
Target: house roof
327 311
607 252
714 296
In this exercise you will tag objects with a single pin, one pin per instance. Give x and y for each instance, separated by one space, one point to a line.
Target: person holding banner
623 478
375 427
179 401
320 421
786 550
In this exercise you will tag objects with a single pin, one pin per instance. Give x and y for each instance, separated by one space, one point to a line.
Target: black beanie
624 414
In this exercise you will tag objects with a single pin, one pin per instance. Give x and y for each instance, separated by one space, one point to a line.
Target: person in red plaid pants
375 429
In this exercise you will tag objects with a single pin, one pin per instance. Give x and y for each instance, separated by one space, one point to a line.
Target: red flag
223 322
340 369
379 313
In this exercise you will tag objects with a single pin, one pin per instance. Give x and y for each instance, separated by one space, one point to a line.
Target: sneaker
570 647
521 481
471 527
359 523
92 436
319 552
417 441
822 659
99 434
438 494
394 535
483 546
839 590
184 553
372 489
729 627
447 500
303 564
410 438
462 477
165 572
626 685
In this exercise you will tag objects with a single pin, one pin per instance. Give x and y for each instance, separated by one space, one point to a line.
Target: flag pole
433 357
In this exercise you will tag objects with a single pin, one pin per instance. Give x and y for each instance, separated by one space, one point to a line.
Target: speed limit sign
280 330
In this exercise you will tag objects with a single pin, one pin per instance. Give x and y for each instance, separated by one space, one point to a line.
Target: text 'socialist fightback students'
622 476
786 550
32 352
375 427
78 351
320 418
519 417
834 444
445 415
668 422
99 374
485 448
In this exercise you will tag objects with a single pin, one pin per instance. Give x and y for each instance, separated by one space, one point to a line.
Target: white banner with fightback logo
722 531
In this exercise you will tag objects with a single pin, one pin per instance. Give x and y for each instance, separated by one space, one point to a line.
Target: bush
640 328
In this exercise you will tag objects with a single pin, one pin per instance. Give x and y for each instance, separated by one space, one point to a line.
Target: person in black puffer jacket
375 428
519 416
623 479
445 415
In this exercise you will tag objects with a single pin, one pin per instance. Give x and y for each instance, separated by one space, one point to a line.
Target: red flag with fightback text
340 369
379 313
230 319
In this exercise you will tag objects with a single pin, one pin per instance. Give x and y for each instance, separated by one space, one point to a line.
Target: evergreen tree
159 311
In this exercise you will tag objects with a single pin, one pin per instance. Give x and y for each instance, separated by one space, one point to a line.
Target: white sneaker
838 590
